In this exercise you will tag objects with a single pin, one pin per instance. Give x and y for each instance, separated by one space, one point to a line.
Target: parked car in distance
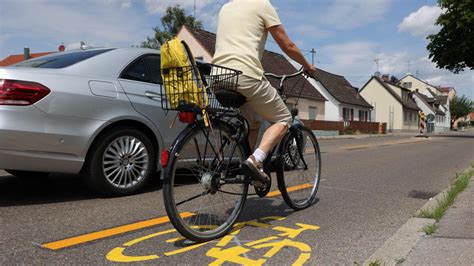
95 112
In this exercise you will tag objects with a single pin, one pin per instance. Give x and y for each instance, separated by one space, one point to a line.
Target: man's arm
279 34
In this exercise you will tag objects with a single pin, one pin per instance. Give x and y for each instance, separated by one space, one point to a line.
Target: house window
407 85
363 115
313 112
348 114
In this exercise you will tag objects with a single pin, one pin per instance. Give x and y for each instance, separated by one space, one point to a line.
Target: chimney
386 77
26 53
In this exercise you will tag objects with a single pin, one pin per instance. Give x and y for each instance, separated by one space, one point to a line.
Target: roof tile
16 58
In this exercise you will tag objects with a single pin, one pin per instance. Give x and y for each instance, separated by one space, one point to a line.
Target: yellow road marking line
355 146
290 189
77 240
68 242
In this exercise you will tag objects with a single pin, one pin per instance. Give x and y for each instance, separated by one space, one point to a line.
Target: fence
348 127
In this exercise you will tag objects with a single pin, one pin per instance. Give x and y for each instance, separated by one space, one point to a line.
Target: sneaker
255 170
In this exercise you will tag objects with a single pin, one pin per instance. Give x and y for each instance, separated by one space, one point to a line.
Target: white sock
259 155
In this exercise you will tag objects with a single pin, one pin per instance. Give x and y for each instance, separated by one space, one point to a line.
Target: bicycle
203 189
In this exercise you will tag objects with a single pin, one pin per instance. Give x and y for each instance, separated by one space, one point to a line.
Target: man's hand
309 70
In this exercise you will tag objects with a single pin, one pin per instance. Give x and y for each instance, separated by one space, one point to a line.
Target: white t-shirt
242 33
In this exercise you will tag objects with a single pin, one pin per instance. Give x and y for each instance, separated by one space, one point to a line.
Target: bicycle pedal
262 189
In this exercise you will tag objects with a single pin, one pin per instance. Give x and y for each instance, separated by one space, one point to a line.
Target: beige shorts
263 102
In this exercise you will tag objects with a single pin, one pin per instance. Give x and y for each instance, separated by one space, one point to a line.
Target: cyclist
242 31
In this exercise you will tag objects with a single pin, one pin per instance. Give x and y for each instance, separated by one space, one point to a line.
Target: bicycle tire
198 231
289 171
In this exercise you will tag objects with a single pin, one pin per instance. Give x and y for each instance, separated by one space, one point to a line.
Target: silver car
95 112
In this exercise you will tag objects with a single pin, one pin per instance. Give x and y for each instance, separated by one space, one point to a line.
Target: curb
396 249
353 136
399 245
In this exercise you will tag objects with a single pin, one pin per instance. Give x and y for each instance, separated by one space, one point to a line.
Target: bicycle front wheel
299 168
203 192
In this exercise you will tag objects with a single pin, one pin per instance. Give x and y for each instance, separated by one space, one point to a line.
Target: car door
141 81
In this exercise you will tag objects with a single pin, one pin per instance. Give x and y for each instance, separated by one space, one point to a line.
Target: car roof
109 64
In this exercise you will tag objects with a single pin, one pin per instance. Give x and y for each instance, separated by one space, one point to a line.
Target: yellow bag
183 84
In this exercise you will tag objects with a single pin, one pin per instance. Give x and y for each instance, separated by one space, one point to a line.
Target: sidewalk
453 241
365 136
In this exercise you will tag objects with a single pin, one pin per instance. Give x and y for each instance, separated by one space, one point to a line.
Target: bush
348 131
460 124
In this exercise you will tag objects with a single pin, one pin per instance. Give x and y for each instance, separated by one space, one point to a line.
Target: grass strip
430 229
461 181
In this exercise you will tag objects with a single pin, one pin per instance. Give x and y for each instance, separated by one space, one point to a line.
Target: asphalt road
370 187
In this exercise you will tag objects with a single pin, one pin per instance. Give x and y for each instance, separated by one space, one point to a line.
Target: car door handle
153 95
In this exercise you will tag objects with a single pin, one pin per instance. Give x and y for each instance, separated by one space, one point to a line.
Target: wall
331 106
417 84
195 46
303 107
351 128
382 100
413 124
356 111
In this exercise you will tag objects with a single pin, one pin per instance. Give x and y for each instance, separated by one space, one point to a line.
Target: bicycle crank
262 189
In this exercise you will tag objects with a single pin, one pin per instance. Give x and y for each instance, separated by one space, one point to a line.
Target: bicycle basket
192 88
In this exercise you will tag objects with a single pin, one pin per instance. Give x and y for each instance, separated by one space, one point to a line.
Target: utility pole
313 52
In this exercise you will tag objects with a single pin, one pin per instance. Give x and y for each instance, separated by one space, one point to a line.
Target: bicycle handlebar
284 76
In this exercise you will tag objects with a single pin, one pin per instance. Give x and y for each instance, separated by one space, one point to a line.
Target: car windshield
60 60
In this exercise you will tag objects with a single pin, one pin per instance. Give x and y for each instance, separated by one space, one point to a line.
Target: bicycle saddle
230 98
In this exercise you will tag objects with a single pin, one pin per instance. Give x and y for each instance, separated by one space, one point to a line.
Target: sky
349 36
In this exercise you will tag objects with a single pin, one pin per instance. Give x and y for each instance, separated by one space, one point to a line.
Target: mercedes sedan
94 112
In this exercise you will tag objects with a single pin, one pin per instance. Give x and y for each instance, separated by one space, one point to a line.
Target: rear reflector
18 92
187 117
164 158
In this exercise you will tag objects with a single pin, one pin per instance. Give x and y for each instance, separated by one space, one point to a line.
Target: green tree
451 48
460 107
174 18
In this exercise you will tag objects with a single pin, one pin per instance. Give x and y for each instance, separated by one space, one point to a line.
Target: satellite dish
430 118
377 74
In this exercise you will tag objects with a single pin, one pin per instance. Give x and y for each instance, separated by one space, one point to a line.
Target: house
435 118
16 58
392 104
447 91
414 83
441 97
311 103
344 101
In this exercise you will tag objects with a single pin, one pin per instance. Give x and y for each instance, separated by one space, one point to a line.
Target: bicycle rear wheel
299 168
203 194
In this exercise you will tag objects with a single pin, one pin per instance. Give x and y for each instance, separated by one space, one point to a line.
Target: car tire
28 174
120 162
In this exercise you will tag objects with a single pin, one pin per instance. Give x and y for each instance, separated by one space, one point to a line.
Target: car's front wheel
120 162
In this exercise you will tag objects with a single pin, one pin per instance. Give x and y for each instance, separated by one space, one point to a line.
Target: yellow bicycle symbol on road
223 252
